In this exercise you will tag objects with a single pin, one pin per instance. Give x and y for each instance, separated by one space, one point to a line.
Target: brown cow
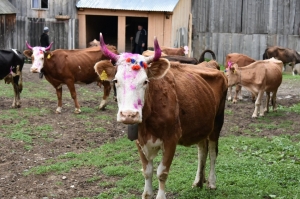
173 51
183 59
241 60
172 104
69 67
258 77
285 55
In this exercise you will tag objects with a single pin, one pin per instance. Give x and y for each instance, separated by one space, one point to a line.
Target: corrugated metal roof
137 5
7 8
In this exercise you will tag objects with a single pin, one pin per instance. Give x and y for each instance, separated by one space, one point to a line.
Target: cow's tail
201 59
265 55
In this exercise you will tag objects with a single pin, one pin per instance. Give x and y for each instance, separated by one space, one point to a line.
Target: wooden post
190 34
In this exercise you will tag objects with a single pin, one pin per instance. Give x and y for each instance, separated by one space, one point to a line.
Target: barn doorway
131 28
108 25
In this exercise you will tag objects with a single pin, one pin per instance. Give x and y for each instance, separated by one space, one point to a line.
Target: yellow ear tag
48 57
103 75
234 71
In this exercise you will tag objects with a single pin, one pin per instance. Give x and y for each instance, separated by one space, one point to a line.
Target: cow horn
48 48
105 51
28 46
157 52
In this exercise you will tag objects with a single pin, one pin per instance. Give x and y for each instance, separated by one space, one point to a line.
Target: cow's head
231 73
131 76
37 55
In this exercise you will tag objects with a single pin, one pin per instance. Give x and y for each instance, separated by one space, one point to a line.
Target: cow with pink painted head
172 103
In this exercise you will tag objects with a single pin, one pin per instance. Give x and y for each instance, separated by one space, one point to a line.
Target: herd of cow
173 99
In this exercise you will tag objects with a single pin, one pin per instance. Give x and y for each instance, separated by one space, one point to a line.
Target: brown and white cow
69 67
241 60
172 104
286 55
258 77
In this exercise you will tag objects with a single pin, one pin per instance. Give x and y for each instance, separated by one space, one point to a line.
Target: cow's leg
267 102
258 104
147 163
202 156
72 89
238 94
107 88
164 167
273 100
213 150
15 95
59 99
230 93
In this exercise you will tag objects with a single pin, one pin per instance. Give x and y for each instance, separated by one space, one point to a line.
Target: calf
11 65
258 77
172 104
285 55
69 67
241 60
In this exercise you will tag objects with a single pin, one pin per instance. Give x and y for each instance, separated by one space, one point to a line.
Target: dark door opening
108 25
131 29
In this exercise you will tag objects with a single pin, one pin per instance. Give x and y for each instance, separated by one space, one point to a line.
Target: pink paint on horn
48 48
28 46
157 53
105 51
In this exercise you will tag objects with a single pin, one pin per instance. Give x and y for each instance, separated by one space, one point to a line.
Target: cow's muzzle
34 70
130 117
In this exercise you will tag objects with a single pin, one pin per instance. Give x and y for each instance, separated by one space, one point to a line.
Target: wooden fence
244 26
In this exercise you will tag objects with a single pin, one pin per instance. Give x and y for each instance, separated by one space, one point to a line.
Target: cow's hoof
212 187
234 101
254 116
229 99
102 105
58 110
77 111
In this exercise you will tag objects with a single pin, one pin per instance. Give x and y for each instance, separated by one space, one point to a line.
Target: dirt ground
70 134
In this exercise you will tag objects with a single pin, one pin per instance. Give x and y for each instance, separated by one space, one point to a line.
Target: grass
246 168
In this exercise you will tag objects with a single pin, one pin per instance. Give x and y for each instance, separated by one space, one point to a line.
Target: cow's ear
48 54
158 69
27 53
105 70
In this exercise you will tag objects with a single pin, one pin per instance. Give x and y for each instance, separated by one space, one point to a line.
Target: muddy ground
70 134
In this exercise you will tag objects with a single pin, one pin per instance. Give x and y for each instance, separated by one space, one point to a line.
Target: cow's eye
146 82
115 81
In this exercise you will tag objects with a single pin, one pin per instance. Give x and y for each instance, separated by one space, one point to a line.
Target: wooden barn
117 20
244 26
33 15
7 24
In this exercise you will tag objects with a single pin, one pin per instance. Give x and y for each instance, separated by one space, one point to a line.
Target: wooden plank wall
30 23
244 26
7 27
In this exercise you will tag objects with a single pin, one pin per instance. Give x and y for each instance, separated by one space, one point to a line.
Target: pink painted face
131 81
37 59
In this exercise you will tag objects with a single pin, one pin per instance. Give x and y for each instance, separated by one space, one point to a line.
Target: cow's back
240 59
273 74
77 64
199 92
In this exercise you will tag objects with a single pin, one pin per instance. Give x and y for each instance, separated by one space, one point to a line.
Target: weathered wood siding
244 26
180 22
30 23
7 28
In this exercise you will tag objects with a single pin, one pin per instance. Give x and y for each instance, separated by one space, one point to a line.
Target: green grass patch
246 168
